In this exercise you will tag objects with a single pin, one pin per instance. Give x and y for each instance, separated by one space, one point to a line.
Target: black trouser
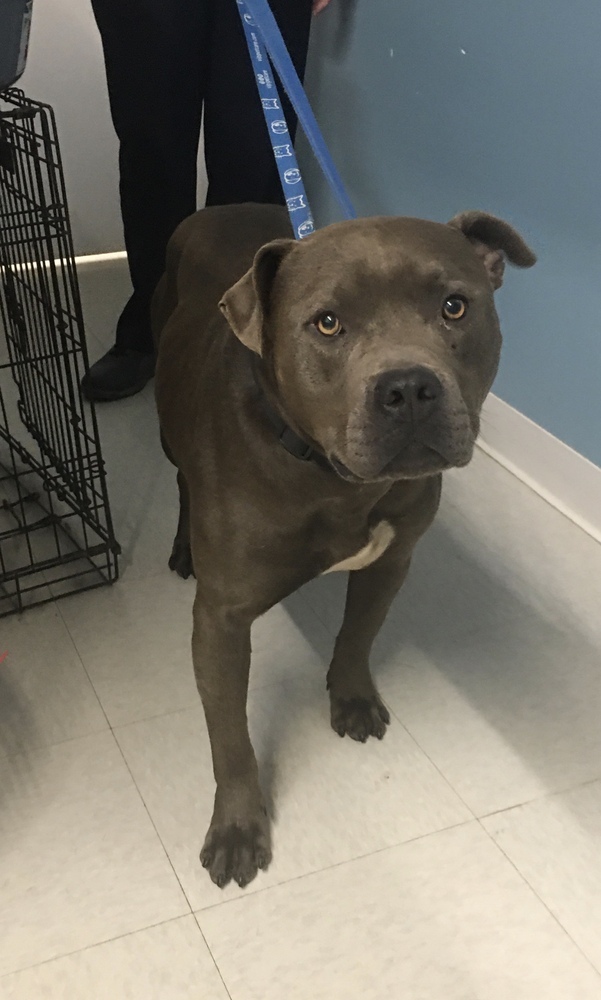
166 60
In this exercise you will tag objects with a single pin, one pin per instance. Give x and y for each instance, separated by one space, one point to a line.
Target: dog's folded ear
246 304
494 241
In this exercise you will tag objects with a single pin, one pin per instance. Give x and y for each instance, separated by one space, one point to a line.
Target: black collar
289 439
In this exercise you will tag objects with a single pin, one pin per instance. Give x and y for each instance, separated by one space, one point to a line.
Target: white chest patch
380 539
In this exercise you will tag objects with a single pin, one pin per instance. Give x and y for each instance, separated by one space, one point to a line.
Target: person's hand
319 5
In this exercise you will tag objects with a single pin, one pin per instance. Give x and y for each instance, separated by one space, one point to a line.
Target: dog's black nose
408 394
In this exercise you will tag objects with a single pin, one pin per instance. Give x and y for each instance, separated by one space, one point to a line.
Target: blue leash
265 43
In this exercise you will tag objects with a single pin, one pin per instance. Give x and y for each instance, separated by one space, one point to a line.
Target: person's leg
153 55
238 154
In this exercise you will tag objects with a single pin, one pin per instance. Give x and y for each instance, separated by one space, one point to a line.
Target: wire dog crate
56 533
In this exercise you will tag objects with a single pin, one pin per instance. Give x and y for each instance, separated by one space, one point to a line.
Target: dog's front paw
359 717
181 559
236 852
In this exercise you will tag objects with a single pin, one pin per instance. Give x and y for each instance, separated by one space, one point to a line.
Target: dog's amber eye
455 307
328 324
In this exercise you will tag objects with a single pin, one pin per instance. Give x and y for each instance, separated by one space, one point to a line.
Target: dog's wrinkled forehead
372 266
377 260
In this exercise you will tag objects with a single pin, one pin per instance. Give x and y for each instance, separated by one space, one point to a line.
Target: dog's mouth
415 462
412 462
344 472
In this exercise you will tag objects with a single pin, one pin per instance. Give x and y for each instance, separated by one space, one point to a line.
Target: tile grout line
96 944
38 748
540 798
434 765
81 660
55 605
152 823
536 895
479 817
337 864
111 730
210 951
129 771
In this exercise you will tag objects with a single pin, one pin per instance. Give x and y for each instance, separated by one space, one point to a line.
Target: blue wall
434 106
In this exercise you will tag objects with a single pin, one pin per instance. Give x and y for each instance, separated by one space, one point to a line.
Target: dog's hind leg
180 559
181 555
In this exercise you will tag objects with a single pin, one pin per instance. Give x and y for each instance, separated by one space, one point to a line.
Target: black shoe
119 373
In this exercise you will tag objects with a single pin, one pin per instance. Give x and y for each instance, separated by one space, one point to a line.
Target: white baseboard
561 476
101 258
556 472
83 262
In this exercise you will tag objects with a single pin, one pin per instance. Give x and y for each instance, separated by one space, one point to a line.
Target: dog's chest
380 538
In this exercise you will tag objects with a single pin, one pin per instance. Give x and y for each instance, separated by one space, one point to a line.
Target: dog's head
380 337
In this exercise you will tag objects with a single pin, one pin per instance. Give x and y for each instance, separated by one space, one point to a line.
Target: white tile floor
459 859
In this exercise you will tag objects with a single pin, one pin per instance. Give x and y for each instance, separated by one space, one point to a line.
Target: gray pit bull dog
310 395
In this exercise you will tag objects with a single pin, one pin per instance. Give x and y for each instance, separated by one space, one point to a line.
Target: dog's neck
294 444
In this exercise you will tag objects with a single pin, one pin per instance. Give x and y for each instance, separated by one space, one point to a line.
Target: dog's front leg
237 844
356 708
